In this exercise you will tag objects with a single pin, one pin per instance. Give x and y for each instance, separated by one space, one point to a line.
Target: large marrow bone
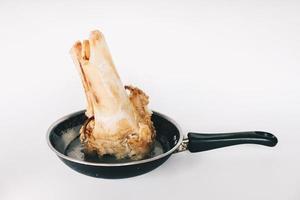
121 124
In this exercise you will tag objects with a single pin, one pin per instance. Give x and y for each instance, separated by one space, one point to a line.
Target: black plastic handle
203 142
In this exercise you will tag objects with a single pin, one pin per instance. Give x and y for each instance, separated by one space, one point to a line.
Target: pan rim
61 155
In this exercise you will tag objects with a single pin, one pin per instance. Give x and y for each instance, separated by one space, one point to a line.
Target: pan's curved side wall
115 172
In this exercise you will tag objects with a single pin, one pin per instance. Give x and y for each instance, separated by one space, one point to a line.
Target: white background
213 66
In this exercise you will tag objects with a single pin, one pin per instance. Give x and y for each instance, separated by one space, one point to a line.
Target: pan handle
203 142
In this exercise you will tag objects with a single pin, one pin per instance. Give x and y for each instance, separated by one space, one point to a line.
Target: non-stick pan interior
64 137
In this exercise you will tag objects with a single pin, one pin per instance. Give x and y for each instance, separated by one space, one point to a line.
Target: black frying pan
63 139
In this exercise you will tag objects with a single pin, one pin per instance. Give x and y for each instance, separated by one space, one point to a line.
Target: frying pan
63 139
